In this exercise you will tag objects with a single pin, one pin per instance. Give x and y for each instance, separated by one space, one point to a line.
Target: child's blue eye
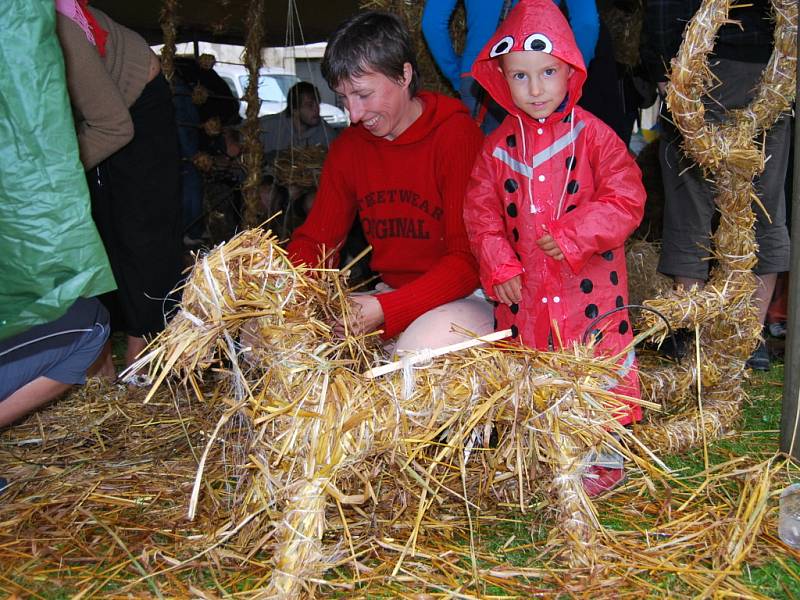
550 72
519 76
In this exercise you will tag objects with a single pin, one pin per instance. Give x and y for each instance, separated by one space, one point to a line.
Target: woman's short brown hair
370 41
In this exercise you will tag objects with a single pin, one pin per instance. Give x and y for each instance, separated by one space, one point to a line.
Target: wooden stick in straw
427 355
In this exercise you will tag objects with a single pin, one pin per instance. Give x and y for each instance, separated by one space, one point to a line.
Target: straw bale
644 280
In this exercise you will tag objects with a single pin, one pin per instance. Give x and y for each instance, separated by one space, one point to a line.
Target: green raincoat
50 251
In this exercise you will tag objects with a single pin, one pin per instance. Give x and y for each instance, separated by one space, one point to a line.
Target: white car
273 85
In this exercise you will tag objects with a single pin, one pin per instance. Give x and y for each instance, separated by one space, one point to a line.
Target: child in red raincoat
553 195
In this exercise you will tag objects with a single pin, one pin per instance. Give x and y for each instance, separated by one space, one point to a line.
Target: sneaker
759 360
777 330
598 480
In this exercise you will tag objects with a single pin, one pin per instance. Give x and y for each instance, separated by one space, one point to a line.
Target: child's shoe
598 480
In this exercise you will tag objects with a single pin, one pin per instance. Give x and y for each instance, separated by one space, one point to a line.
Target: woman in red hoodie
402 168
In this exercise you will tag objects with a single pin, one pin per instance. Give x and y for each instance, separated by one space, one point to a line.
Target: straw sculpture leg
577 523
723 312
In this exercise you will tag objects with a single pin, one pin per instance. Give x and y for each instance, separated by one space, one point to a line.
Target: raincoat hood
531 26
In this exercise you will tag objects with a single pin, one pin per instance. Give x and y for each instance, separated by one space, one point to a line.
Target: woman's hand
366 315
509 292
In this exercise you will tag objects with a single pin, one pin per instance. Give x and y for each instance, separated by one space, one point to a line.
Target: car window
271 88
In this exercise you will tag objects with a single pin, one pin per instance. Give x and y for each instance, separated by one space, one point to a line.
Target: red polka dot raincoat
569 175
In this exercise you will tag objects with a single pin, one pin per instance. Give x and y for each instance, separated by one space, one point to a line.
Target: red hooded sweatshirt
569 175
409 195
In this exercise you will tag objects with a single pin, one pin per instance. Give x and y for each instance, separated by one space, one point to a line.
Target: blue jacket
483 16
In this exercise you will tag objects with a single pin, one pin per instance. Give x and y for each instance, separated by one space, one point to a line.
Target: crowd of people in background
507 209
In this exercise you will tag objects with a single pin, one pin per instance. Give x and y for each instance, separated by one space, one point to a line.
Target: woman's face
381 105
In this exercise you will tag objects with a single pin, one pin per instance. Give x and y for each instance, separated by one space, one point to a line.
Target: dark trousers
136 204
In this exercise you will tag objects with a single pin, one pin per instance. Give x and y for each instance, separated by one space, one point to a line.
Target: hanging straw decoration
722 314
252 151
212 127
199 95
167 18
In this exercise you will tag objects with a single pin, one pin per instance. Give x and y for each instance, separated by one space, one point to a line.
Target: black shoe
759 360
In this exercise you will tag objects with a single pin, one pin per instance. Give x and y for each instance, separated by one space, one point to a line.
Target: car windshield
272 88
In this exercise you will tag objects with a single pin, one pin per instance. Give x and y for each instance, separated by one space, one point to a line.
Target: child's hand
509 292
549 247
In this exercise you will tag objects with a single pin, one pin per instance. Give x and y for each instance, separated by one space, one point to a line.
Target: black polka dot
597 335
514 308
538 45
572 187
511 141
511 209
614 278
514 331
623 327
570 208
620 302
515 233
608 255
501 48
587 286
591 311
511 186
571 162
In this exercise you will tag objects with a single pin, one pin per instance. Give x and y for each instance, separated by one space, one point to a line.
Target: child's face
537 80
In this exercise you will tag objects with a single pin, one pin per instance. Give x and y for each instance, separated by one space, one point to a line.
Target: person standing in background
128 143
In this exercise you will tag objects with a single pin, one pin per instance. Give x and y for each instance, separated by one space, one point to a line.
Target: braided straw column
565 451
167 19
252 152
729 153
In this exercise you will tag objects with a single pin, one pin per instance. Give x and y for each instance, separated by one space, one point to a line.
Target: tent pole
790 410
